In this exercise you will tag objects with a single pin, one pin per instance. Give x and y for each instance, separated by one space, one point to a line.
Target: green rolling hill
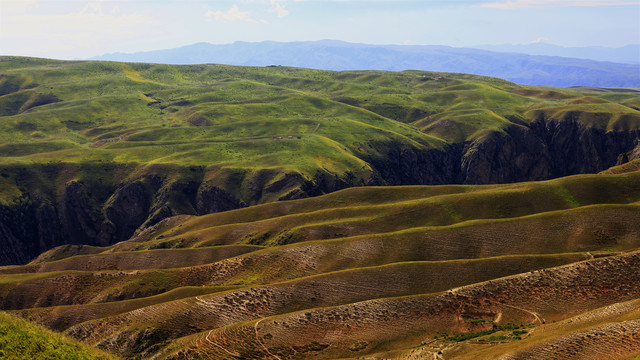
107 149
221 212
20 339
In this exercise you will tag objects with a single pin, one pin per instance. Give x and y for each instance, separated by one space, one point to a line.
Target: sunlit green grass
275 117
20 339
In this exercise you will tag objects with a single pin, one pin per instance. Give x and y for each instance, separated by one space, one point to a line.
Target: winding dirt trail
255 327
534 314
219 346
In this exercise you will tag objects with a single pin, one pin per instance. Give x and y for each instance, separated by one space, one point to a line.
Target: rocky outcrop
399 164
125 211
634 154
211 199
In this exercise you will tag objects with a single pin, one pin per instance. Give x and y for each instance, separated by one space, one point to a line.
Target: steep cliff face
398 164
544 150
96 207
25 229
101 204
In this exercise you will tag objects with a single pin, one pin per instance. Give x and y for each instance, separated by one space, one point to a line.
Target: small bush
360 345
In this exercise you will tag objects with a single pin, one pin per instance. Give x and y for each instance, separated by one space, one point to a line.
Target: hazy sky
67 29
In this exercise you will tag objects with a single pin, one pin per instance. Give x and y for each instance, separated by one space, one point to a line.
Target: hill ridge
512 65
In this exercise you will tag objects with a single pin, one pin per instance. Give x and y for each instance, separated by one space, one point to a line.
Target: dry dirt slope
517 270
385 324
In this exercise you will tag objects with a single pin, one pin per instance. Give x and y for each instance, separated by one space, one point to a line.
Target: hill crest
520 68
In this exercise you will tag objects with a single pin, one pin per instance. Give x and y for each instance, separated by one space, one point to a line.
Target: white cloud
79 32
91 18
278 8
539 40
530 4
232 15
18 6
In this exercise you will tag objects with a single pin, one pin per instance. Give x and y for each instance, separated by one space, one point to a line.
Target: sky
76 29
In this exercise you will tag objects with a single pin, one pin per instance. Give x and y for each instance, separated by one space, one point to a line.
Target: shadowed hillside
462 271
93 153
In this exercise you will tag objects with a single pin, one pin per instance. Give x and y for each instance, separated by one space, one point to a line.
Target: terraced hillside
524 271
94 152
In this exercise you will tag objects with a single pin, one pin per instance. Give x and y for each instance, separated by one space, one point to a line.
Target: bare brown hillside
539 269
378 325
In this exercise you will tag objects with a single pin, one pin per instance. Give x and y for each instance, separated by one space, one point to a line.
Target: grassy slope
277 118
401 212
20 339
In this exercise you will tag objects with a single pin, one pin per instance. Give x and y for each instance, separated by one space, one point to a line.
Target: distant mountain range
337 55
629 54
